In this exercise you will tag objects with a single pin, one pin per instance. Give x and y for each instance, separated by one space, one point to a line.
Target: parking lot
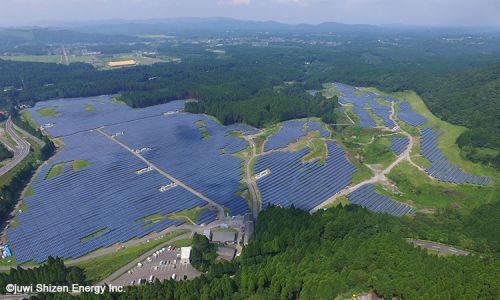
162 266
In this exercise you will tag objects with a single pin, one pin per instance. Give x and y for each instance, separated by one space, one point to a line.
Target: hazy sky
412 12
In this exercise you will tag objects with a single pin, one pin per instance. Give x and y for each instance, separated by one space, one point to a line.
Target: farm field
98 61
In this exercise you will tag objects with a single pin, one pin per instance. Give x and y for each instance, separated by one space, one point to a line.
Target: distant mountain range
227 25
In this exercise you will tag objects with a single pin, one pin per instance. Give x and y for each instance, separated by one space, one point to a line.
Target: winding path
380 176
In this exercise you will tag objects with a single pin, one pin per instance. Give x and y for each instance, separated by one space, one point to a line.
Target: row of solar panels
303 184
179 149
441 168
368 197
399 145
407 115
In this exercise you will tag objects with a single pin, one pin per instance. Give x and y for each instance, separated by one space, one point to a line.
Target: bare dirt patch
452 193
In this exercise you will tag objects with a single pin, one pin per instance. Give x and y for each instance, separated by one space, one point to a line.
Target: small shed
185 255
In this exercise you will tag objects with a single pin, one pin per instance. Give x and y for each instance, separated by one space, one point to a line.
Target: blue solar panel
440 167
303 184
368 197
73 115
399 145
407 115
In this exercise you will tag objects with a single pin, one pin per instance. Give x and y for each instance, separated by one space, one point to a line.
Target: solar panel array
407 115
73 115
303 184
368 197
110 194
291 131
441 168
399 145
106 194
207 216
383 111
361 102
178 148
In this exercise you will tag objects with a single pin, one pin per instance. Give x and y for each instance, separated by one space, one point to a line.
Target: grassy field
103 266
368 145
330 91
193 214
57 59
342 200
89 108
417 188
58 169
182 243
47 112
88 237
318 149
205 133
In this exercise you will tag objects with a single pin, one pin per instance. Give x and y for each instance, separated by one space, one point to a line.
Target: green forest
264 85
4 152
338 252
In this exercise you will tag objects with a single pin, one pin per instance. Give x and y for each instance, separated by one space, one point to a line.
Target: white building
185 254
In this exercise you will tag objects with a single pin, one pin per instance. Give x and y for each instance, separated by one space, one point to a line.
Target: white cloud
235 2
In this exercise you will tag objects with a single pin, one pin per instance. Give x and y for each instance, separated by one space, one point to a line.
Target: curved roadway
21 149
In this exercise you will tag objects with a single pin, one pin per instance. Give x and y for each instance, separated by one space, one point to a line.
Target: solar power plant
291 131
118 196
441 168
366 196
303 184
178 147
407 115
75 115
383 111
361 102
399 145
107 195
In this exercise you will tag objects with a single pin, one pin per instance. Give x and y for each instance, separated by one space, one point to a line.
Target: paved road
438 247
170 177
21 150
65 54
254 190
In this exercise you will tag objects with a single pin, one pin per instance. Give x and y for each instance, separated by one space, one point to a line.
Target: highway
21 149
